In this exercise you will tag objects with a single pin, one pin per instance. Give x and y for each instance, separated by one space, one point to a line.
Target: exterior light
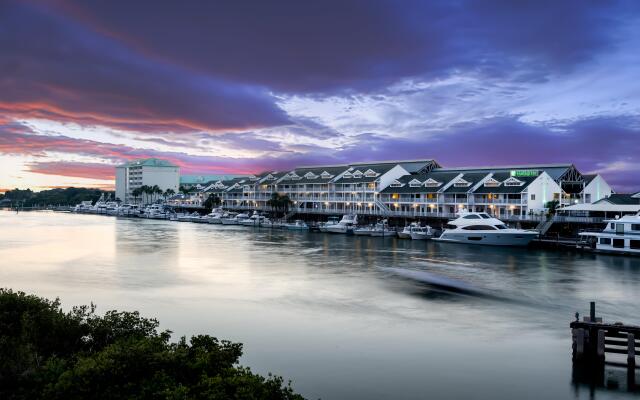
348 203
395 205
359 204
326 203
415 205
370 204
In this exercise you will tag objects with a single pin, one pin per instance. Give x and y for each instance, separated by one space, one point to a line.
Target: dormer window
347 175
432 183
270 177
310 175
357 174
415 183
461 183
396 184
492 183
513 182
325 175
371 173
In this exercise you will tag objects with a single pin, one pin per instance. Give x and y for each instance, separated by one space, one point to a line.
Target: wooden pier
593 339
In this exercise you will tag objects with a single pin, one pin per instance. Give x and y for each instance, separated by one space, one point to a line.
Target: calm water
321 309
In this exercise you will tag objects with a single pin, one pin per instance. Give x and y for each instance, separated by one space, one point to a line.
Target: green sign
525 172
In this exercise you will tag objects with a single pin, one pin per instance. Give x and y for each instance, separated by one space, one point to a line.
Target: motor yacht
83 207
406 232
234 219
481 228
620 236
382 229
297 225
254 220
155 211
345 225
422 233
215 214
322 226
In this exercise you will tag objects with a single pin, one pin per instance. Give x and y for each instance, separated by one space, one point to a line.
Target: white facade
597 189
147 172
541 191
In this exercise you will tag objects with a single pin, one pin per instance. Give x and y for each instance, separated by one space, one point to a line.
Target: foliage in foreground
47 353
67 196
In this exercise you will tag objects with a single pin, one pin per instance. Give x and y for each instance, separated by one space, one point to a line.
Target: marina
408 306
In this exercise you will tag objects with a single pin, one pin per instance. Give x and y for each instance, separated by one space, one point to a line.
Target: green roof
149 162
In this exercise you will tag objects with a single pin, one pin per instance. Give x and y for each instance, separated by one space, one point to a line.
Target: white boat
297 225
481 228
267 223
322 226
129 210
83 207
187 217
214 216
254 220
406 232
155 211
345 225
363 230
233 219
422 233
382 229
620 236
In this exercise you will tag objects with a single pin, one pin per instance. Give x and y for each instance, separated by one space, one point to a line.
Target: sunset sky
247 86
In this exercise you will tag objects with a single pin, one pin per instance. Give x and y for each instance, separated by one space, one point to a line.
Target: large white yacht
345 225
621 235
481 228
254 220
406 232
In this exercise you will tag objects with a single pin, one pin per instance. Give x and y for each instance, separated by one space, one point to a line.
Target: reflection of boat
621 236
363 230
481 228
346 224
422 233
297 225
330 222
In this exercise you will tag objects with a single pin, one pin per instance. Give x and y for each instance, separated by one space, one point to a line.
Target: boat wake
442 283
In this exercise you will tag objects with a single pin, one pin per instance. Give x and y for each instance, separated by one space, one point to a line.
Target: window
635 227
612 226
461 183
471 216
491 183
618 243
415 183
587 198
479 228
347 175
432 183
357 174
501 226
533 197
370 173
484 216
396 184
634 244
310 175
513 182
395 196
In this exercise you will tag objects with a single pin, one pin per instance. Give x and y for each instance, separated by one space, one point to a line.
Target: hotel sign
525 172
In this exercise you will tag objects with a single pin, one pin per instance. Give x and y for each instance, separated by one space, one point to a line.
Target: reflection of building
415 188
149 172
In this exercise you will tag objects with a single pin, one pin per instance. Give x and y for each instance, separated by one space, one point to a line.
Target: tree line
150 194
53 197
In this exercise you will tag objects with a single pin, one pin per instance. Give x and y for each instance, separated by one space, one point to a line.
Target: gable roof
502 177
317 171
442 177
472 177
620 199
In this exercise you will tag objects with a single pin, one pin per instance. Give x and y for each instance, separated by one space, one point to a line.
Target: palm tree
168 193
279 203
155 190
184 190
136 193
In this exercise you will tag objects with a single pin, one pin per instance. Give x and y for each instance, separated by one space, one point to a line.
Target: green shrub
47 353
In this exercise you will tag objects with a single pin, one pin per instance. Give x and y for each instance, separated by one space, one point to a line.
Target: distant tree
279 203
552 206
47 353
212 202
184 190
168 193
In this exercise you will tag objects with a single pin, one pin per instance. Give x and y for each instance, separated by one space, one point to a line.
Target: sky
248 86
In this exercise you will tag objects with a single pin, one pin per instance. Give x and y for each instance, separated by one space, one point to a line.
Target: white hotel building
150 172
415 188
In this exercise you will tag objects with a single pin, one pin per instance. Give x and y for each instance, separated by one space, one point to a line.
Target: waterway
331 313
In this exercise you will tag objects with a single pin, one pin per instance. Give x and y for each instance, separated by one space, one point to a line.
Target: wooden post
631 350
579 343
600 349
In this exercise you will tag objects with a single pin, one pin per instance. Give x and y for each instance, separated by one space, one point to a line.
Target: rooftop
149 162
